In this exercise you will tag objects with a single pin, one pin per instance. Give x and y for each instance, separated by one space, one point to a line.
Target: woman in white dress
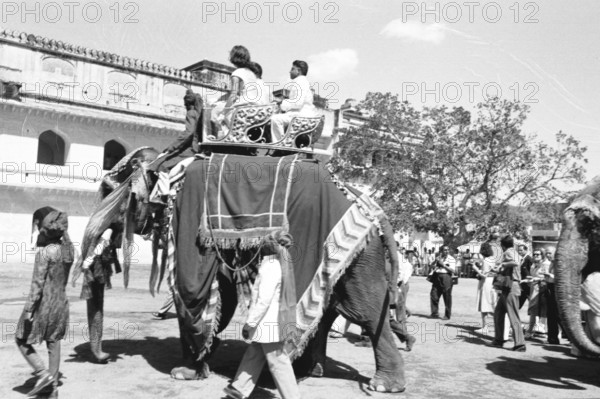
486 295
537 293
246 88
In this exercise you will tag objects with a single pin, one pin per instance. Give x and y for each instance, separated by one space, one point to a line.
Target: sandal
184 373
336 334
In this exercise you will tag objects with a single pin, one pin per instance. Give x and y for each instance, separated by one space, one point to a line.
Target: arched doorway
51 149
113 152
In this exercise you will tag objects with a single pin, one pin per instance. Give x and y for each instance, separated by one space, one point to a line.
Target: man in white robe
299 103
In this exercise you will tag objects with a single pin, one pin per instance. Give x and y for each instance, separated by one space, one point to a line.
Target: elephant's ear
128 231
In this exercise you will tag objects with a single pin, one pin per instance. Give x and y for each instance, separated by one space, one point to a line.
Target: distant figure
537 294
526 262
552 310
299 103
441 284
486 295
46 313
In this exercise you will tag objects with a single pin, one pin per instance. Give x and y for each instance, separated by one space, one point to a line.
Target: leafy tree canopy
455 172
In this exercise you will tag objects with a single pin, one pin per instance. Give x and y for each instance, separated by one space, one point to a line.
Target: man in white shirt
299 103
441 279
398 324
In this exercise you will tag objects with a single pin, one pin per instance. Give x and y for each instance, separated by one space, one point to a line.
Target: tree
455 173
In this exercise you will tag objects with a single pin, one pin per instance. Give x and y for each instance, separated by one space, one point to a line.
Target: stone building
69 113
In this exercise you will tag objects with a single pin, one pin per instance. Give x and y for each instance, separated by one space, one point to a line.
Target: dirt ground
449 360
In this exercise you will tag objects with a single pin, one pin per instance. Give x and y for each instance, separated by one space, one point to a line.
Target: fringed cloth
246 199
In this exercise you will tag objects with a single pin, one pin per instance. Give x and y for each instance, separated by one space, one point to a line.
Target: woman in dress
46 313
486 295
537 293
246 88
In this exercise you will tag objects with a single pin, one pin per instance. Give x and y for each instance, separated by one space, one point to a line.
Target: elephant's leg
312 361
95 315
364 300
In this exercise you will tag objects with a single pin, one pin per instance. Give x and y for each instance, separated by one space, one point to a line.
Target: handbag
454 280
430 277
502 283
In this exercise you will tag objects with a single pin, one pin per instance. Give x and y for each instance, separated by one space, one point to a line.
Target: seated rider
299 103
186 145
263 90
245 88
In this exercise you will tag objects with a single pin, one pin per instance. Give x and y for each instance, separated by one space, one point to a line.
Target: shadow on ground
228 355
165 354
162 354
30 383
554 373
468 334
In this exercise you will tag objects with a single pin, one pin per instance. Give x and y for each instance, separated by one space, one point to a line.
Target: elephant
340 236
577 267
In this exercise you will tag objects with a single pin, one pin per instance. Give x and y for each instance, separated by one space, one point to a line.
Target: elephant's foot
381 384
96 347
100 357
187 373
317 371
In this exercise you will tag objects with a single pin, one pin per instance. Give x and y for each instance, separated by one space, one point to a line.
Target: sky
544 53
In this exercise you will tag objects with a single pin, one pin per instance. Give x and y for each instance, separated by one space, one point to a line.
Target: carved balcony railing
249 126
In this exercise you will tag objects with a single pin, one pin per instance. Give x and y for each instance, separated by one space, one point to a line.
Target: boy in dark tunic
46 313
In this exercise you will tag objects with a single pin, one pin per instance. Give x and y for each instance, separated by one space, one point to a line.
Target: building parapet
58 47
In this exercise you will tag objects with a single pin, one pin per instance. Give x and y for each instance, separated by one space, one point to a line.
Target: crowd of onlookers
509 275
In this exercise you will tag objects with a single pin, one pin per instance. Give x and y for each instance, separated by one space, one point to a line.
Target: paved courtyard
449 359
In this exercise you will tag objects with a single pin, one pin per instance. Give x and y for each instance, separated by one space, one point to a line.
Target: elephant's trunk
572 257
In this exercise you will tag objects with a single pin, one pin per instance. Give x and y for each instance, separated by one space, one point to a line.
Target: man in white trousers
264 325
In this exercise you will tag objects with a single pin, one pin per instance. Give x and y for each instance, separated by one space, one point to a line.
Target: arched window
57 70
51 149
113 152
122 89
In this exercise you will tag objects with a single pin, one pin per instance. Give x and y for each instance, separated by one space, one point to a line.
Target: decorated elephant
221 210
577 274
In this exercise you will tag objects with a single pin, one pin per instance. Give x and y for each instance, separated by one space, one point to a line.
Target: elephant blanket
245 200
330 227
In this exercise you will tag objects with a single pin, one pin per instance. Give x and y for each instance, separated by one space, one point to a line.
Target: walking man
441 277
508 302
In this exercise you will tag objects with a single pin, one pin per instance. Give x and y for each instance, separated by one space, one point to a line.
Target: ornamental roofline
58 47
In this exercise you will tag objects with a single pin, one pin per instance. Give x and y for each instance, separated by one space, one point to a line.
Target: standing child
46 313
